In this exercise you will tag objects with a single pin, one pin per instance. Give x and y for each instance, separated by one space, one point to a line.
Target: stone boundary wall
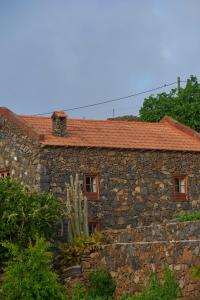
176 231
130 255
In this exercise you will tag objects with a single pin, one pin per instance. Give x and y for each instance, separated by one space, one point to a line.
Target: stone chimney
59 123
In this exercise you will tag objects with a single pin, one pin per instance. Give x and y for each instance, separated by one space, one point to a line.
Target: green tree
182 105
29 275
125 118
25 214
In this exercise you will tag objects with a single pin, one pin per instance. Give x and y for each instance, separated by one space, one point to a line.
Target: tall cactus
76 208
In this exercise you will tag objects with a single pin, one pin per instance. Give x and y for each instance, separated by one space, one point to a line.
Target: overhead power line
113 100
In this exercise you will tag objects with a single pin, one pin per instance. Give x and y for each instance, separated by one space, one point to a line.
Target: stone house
133 173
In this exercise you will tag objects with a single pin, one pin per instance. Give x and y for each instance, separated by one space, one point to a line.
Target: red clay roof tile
166 135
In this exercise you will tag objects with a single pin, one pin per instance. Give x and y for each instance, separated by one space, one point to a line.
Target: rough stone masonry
132 254
136 165
136 186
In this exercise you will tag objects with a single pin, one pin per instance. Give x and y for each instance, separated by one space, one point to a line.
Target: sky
60 54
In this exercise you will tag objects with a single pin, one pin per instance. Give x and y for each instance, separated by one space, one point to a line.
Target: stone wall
20 154
176 231
136 187
130 255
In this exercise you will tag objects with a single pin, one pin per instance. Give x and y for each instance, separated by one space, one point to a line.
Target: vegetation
76 210
29 276
25 214
167 289
125 118
182 105
188 216
101 287
79 292
196 271
71 253
27 219
101 284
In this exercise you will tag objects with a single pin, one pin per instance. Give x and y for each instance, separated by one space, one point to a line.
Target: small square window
180 187
91 186
94 226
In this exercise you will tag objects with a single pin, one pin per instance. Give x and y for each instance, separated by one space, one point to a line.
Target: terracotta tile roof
166 135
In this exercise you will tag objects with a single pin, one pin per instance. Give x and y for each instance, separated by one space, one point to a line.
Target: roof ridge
181 127
95 120
167 134
115 121
32 116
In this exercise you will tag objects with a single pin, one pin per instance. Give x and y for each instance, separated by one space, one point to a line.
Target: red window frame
94 226
4 174
178 195
91 195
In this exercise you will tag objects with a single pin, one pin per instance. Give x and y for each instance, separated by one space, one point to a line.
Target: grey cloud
60 54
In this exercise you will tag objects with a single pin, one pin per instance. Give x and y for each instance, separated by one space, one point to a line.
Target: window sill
92 197
181 197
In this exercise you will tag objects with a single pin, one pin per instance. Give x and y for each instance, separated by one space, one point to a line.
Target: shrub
126 297
24 214
72 253
188 216
29 276
196 272
79 292
101 284
98 298
167 289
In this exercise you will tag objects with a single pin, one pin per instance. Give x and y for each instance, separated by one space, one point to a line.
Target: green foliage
98 298
102 287
79 292
72 253
29 276
101 284
126 297
196 272
188 216
182 105
167 289
25 214
125 118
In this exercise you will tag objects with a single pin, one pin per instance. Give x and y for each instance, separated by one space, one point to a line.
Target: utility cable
112 100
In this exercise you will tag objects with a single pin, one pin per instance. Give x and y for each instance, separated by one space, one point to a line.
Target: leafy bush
188 216
167 289
98 298
24 214
72 253
101 284
29 276
196 271
126 297
79 292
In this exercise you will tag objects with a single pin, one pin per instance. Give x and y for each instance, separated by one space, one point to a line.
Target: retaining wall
130 255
